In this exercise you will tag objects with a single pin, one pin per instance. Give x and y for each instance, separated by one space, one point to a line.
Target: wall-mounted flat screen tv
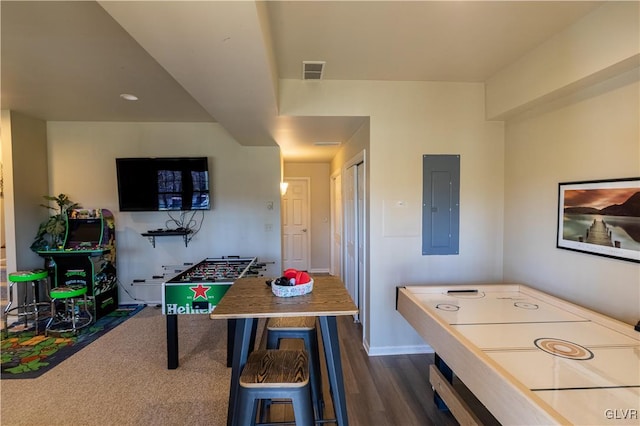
163 184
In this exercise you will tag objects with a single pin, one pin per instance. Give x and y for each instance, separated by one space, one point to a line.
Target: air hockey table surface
529 357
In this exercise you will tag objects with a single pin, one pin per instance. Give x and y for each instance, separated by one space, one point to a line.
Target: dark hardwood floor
386 390
381 390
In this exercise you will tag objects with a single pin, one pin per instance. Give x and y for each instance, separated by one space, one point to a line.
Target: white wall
24 152
356 144
603 44
408 120
2 227
594 134
591 134
583 123
584 86
585 127
243 180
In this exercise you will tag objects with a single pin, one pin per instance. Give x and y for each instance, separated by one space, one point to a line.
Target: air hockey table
530 358
197 290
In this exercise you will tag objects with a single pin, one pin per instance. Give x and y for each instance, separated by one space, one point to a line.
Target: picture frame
600 217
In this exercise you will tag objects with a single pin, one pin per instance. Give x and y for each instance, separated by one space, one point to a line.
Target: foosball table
198 289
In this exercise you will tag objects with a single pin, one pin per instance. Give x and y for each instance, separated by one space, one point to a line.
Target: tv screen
83 232
163 184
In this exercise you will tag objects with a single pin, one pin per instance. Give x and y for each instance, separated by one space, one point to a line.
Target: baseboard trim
319 271
398 350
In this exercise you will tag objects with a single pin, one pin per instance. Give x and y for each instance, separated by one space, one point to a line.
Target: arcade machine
88 257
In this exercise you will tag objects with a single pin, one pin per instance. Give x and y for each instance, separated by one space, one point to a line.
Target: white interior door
360 236
296 238
336 226
351 233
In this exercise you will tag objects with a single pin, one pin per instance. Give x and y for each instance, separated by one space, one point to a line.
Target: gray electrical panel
440 204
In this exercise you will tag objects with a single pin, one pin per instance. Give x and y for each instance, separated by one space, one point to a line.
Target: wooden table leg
172 342
242 346
451 399
447 373
231 333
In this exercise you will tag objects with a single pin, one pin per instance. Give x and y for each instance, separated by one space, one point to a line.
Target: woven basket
293 290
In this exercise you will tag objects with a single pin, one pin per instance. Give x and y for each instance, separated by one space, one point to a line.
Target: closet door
354 232
336 226
350 233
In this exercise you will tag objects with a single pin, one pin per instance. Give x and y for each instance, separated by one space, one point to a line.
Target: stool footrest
304 328
287 323
75 314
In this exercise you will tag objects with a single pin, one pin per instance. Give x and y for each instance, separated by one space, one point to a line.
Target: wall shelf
186 235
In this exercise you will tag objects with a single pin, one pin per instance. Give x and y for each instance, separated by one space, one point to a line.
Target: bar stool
71 318
272 374
30 304
304 328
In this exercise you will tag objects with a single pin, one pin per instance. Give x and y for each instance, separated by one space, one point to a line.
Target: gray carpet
122 379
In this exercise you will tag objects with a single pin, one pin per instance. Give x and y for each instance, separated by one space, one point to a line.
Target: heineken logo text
186 309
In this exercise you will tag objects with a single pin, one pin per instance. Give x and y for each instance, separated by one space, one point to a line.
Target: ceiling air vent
312 70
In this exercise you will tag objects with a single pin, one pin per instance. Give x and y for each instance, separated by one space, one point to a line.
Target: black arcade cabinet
88 257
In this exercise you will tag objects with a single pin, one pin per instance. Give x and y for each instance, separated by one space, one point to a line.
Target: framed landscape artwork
600 217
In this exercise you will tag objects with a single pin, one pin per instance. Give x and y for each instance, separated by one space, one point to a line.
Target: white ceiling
220 61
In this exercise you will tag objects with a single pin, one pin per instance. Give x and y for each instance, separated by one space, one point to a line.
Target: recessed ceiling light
128 97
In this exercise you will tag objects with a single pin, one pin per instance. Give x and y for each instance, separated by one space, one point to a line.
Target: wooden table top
252 298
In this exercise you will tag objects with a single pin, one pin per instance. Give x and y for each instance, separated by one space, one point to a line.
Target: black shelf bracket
151 236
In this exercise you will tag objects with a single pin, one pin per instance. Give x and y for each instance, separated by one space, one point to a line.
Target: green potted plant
52 231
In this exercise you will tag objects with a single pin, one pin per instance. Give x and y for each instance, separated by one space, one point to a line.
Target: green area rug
27 355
